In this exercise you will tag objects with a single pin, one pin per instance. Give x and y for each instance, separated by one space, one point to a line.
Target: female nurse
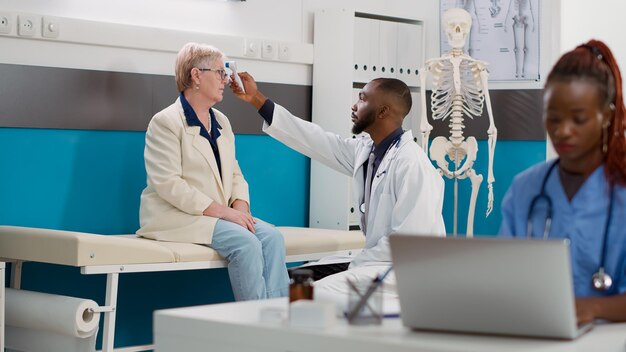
581 195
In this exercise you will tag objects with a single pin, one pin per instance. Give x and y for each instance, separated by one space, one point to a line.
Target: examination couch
113 255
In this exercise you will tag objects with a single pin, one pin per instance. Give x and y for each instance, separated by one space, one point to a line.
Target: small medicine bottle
301 285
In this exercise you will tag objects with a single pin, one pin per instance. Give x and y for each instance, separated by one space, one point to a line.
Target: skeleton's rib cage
470 89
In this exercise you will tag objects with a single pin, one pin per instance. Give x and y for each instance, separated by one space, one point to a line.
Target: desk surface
236 327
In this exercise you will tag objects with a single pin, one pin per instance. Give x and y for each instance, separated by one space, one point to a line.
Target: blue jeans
256 262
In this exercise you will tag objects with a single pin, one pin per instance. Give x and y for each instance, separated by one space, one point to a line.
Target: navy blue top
193 120
267 111
380 149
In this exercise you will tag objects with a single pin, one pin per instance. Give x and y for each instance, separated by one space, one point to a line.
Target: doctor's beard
363 123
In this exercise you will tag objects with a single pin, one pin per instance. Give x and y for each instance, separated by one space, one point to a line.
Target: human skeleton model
520 12
459 87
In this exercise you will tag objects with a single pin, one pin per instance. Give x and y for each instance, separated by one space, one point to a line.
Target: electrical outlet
269 49
50 27
252 48
284 51
6 21
26 25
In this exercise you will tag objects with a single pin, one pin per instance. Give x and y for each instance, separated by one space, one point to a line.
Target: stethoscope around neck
395 143
601 280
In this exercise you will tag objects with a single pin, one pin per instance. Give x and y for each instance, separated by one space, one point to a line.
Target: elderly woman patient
196 191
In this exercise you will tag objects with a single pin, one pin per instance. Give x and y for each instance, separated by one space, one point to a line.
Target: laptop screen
485 285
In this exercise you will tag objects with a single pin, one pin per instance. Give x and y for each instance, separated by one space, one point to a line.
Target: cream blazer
183 178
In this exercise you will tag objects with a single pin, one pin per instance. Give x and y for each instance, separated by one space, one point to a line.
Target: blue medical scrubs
582 221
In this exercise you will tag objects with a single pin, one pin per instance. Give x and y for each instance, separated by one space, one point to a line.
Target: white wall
599 19
279 20
288 20
86 25
583 20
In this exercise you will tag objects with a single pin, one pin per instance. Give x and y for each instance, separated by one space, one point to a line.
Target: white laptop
486 285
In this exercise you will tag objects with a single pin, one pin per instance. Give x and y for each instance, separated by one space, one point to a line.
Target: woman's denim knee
248 247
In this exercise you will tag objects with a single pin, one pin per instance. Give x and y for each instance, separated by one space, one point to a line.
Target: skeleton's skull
456 23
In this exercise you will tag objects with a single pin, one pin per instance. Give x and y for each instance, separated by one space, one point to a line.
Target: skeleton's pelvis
463 155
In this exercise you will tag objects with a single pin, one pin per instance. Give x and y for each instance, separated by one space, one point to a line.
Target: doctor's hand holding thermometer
232 67
245 88
582 195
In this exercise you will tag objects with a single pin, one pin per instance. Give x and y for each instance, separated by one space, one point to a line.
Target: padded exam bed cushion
85 249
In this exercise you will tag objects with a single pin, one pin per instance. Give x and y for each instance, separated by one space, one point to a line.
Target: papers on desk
331 259
391 305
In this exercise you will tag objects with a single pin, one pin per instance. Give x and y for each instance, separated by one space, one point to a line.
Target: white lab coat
407 191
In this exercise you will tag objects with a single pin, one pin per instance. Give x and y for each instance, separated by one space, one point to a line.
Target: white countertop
237 327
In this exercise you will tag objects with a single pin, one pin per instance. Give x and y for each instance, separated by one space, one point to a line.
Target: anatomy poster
505 34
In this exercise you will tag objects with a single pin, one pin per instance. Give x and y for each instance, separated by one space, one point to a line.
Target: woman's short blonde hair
190 56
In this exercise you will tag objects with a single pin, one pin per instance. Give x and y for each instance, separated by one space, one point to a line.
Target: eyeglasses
222 73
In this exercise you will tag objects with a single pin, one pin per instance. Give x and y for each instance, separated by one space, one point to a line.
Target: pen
386 316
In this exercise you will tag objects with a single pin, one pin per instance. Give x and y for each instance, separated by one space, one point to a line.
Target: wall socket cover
284 51
269 49
26 25
50 27
6 22
252 48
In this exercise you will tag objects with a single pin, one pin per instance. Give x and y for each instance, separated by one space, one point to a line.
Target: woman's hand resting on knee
238 214
241 205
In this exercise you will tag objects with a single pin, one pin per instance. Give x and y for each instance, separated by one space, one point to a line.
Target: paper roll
53 313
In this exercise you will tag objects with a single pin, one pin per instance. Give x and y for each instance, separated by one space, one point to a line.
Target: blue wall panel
72 180
510 158
91 180
278 178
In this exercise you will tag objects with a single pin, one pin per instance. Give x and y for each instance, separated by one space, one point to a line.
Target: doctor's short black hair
398 90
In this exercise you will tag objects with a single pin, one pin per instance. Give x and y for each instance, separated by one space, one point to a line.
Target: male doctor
391 175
